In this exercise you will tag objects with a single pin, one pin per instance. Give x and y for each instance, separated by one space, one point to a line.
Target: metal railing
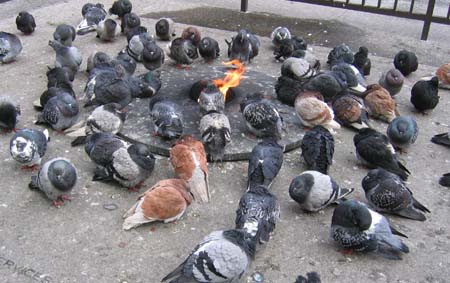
410 13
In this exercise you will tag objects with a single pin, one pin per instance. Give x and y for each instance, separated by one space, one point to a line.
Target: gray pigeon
240 47
25 22
167 118
127 62
216 134
92 16
65 34
130 166
66 57
120 8
209 49
358 228
10 47
182 51
152 56
222 256
145 85
211 99
107 30
101 146
28 146
257 213
136 45
340 54
264 163
130 21
354 79
96 59
314 191
386 192
402 132
298 69
279 34
106 118
60 112
165 29
9 114
392 81
56 179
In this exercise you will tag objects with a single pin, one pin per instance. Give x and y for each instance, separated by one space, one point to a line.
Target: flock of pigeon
323 100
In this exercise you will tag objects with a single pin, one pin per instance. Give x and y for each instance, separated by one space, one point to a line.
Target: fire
232 77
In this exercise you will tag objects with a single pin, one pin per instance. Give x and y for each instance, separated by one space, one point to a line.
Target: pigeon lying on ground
222 256
165 29
25 22
9 114
209 49
312 112
402 132
60 112
350 111
182 51
28 146
56 179
392 81
152 56
380 103
318 149
167 118
10 47
406 62
216 134
424 95
312 277
211 99
340 54
121 7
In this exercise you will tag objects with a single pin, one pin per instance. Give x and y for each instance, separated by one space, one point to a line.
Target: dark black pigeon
312 277
340 54
257 214
374 150
264 163
9 114
445 180
424 94
129 22
287 89
164 29
120 8
25 22
329 84
167 118
152 56
442 139
362 61
209 48
386 192
406 62
318 149
290 47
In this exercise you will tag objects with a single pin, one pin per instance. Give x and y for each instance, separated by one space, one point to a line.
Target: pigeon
127 62
25 22
264 163
167 118
350 111
402 132
96 60
298 69
59 77
312 112
65 34
255 44
166 201
257 213
314 191
312 277
66 57
209 49
329 84
120 8
240 47
340 54
362 61
386 192
130 166
60 112
129 22
61 89
443 74
9 114
424 94
56 179
106 118
188 158
279 34
392 81
261 116
192 34
10 47
135 31
373 149
406 62
287 89
222 256
92 15
211 99
318 149
358 228
145 85
380 103
152 56
442 139
107 30
445 180
215 130
28 146
182 51
165 29
353 78
100 147
136 45
295 47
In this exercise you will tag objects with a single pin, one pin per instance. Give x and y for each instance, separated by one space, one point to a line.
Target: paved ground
83 241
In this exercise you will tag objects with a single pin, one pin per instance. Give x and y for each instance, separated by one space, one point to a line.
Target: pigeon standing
216 134
358 228
240 47
121 7
167 118
136 44
25 22
152 56
65 34
406 62
222 256
318 149
165 29
28 146
373 149
257 213
314 191
209 49
362 61
279 34
392 81
92 15
66 57
264 163
386 192
166 201
101 146
10 47
424 94
9 114
188 158
56 179
107 30
402 132
60 112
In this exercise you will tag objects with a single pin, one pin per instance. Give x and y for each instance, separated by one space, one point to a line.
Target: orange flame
232 77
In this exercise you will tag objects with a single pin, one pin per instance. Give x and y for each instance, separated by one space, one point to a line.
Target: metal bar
411 7
244 5
395 5
448 13
379 4
427 21
363 2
